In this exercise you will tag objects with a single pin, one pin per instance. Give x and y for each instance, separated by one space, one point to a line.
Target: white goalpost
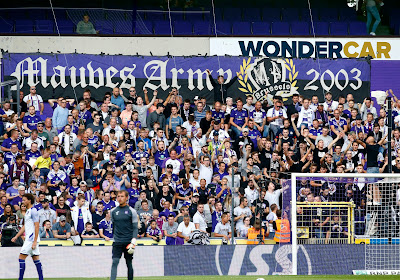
353 209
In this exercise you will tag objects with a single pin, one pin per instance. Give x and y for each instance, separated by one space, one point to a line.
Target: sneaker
372 34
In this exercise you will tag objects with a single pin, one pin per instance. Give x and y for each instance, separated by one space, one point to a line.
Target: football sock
38 265
130 269
114 267
21 269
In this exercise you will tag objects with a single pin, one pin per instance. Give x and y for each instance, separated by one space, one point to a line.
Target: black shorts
118 249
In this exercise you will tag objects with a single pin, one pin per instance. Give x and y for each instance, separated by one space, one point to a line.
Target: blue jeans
274 129
266 130
372 170
373 12
236 131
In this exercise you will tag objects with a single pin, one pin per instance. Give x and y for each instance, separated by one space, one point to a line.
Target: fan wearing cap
168 172
358 127
217 128
220 87
329 104
46 213
56 175
87 192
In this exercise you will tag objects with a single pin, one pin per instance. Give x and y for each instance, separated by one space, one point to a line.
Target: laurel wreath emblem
289 65
243 77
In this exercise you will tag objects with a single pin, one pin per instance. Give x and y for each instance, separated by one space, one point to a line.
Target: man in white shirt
185 228
366 108
35 100
306 115
241 212
119 133
329 104
205 168
34 138
191 126
223 228
275 117
199 219
67 138
222 134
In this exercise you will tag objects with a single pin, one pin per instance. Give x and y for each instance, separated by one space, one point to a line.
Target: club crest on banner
267 77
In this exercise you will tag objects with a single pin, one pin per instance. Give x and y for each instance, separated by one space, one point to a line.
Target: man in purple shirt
31 120
17 201
254 133
239 118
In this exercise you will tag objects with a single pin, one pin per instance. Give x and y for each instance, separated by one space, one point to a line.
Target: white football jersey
31 217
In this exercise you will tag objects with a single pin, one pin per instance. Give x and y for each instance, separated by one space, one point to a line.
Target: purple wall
385 74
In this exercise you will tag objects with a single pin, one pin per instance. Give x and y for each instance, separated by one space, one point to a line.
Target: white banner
377 48
82 262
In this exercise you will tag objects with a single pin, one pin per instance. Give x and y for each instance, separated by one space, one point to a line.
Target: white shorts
27 249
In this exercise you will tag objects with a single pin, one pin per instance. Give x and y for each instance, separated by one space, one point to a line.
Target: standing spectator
31 120
220 88
117 100
275 117
46 213
80 214
106 226
372 12
85 26
35 100
156 116
238 118
60 116
185 228
142 109
223 228
241 211
199 219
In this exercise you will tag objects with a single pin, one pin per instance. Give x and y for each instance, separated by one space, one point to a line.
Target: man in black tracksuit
220 89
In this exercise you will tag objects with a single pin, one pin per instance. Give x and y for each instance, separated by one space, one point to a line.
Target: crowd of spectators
176 158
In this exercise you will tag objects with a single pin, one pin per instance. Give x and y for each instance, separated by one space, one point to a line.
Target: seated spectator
170 229
185 228
89 231
106 227
45 231
154 232
62 229
85 26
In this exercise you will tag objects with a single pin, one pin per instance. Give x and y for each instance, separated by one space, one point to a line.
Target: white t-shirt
195 183
190 127
273 113
273 198
200 219
271 217
206 173
223 229
239 211
186 230
34 100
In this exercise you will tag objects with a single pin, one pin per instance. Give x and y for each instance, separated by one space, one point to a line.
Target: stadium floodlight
379 230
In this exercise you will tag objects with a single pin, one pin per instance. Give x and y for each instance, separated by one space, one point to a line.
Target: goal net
345 210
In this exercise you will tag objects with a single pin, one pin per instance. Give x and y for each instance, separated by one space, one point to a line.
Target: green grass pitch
322 277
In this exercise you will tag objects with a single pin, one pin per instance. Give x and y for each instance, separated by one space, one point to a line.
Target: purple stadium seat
201 28
17 14
321 28
328 14
280 28
261 28
305 14
60 14
38 14
104 26
175 16
232 14
300 28
223 28
357 28
339 28
123 27
290 14
24 26
241 28
6 26
218 13
183 28
162 28
155 16
271 14
251 14
347 14
65 26
143 27
194 17
44 26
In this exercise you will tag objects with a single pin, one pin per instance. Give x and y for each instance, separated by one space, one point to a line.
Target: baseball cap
126 131
114 109
245 129
62 218
215 133
196 98
170 166
217 122
159 105
358 117
82 183
45 200
196 194
12 218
